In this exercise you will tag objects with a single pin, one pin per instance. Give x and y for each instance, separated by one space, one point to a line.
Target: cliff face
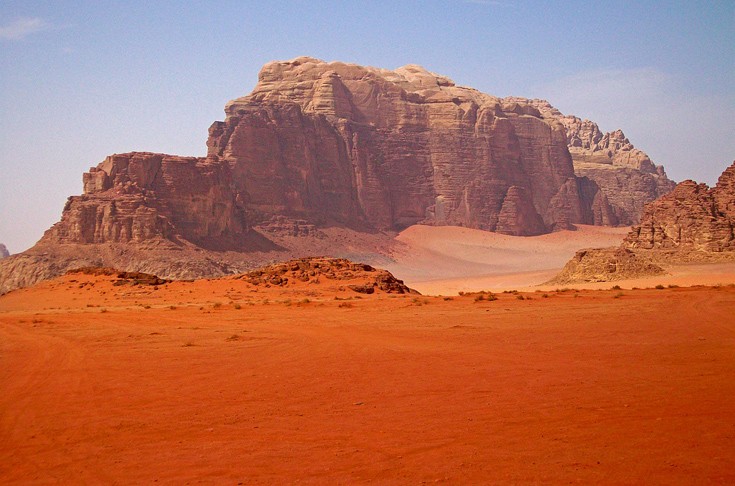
625 174
4 251
334 142
691 218
139 197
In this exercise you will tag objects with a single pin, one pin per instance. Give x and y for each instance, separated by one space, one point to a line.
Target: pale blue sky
81 80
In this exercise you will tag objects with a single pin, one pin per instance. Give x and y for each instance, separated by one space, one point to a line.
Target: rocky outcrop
691 224
359 277
4 251
142 197
605 265
625 174
692 218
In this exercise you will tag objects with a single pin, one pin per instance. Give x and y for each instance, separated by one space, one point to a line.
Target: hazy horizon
82 80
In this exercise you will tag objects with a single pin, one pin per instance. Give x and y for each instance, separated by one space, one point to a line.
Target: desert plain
224 382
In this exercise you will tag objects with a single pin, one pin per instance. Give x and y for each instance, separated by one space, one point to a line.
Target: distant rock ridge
4 251
626 175
691 224
321 146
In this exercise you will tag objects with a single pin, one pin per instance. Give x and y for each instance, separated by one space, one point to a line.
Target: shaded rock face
693 217
335 142
4 251
625 174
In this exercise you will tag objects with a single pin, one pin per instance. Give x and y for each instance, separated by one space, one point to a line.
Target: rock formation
691 224
4 251
692 218
318 148
626 175
346 144
361 278
605 265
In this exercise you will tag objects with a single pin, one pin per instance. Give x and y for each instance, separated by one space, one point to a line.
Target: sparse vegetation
345 305
615 287
618 295
660 287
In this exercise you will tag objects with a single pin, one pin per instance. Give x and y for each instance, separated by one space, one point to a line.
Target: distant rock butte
691 224
320 145
4 251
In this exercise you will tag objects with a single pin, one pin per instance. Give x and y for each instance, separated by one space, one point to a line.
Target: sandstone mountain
325 158
625 174
4 251
691 224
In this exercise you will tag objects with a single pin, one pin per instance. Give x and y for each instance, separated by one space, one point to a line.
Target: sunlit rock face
336 142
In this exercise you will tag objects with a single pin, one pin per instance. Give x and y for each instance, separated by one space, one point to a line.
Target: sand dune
448 259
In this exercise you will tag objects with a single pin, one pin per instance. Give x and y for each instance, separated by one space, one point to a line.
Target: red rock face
691 217
332 142
136 197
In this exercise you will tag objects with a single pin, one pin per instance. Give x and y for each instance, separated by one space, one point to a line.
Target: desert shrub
615 287
237 306
345 305
660 287
618 295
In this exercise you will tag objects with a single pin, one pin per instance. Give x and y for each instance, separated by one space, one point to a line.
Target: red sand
577 387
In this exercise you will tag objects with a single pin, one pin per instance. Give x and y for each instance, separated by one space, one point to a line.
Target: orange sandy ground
588 387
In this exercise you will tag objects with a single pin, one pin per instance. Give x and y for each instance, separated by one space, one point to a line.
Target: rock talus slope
317 149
